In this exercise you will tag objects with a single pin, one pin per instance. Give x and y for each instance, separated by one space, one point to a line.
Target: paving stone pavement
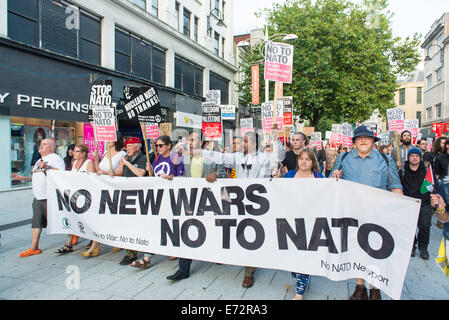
48 276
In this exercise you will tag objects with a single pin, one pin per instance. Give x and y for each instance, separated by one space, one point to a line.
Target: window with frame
429 113
216 43
402 96
177 6
217 4
195 28
429 81
438 110
419 96
46 24
188 76
139 57
222 47
439 73
186 22
418 116
142 4
154 10
219 83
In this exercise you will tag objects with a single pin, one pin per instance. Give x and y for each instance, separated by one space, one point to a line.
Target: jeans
446 231
424 222
444 192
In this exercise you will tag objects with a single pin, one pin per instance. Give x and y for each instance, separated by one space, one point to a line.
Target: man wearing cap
132 165
404 147
414 173
367 166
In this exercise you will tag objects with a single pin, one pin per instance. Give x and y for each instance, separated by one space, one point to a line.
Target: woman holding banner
306 167
116 151
167 164
103 167
81 164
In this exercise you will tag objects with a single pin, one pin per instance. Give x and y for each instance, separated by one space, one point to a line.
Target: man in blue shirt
365 165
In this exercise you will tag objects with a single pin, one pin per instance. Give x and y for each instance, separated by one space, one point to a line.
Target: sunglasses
160 145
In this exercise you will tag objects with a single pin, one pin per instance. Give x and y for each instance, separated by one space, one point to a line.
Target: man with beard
367 166
406 139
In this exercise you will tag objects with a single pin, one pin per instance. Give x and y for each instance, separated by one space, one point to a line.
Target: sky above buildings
410 16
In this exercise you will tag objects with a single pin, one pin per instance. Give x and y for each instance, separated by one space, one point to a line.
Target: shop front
43 95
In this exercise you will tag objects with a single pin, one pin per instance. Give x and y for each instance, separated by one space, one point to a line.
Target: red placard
212 131
152 131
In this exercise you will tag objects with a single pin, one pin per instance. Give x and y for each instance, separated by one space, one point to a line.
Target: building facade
409 96
435 109
52 52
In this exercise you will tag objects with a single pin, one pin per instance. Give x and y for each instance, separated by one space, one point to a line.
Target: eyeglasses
160 145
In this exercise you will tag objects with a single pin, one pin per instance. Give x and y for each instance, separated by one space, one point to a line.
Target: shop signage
188 120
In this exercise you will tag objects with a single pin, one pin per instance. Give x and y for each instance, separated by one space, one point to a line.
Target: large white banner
336 229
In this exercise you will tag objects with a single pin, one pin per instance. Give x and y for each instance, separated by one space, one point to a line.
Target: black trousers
184 265
424 222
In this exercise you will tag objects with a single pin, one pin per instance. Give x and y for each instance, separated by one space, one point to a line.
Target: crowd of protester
400 170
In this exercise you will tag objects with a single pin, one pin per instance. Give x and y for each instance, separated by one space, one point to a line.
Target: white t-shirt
83 167
104 164
39 179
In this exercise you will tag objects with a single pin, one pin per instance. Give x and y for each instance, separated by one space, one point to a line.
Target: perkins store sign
21 104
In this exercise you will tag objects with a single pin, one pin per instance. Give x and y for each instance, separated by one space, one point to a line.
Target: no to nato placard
278 62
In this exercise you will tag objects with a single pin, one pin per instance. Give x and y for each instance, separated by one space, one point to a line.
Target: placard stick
396 136
144 131
109 156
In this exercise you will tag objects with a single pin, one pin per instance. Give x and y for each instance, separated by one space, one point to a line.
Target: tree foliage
346 60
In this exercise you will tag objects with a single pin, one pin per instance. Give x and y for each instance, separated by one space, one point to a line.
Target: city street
49 276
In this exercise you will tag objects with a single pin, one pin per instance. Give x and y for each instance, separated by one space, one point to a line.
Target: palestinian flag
427 185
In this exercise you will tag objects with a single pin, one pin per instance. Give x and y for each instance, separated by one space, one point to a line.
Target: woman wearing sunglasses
81 164
166 164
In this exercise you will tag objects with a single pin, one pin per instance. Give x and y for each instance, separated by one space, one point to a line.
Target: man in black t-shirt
427 156
299 142
132 165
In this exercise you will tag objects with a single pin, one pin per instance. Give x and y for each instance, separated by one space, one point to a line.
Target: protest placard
142 103
346 134
104 124
287 104
214 97
315 140
211 121
278 62
395 118
246 124
267 110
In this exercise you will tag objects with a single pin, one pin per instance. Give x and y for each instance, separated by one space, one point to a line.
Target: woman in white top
117 152
81 164
103 167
